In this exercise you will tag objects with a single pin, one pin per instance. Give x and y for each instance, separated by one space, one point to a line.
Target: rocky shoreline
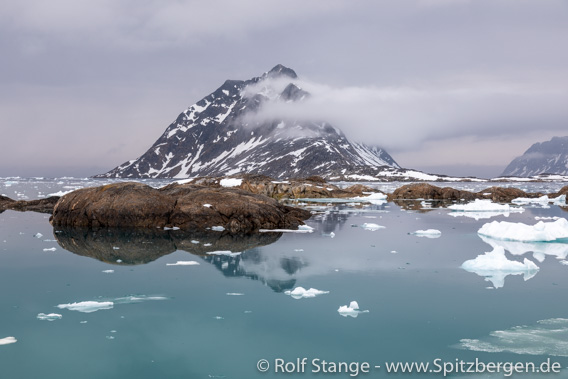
243 206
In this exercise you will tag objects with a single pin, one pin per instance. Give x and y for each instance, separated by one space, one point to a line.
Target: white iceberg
351 310
49 316
217 228
495 267
7 340
540 232
87 306
235 294
108 271
50 249
230 182
38 235
302 293
371 226
547 337
183 263
428 233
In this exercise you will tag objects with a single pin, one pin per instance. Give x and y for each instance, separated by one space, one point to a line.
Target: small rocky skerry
186 206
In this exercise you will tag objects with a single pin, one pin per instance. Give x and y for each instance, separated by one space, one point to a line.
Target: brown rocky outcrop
187 206
429 192
311 187
42 205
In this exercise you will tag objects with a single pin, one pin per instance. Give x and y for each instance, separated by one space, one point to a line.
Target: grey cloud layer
413 73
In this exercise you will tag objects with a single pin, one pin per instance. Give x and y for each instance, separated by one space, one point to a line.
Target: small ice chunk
207 244
302 293
371 226
207 205
38 235
428 233
49 316
172 228
108 271
119 261
219 318
116 248
230 182
235 294
183 263
351 310
109 337
195 241
298 250
83 322
7 340
564 262
305 227
217 228
394 252
87 306
50 249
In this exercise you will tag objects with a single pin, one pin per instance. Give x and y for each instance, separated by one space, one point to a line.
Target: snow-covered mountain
544 157
221 135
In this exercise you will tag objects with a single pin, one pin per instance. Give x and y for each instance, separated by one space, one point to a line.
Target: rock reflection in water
140 246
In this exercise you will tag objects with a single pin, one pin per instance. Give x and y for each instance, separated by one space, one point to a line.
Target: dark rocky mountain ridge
550 157
218 136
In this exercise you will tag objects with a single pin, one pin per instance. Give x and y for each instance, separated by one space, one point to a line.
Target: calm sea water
217 319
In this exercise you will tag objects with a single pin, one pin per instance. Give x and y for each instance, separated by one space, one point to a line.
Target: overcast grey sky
447 86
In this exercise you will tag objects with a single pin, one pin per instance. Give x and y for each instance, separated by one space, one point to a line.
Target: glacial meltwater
364 291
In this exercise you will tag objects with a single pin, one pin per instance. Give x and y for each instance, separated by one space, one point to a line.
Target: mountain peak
549 157
280 70
223 134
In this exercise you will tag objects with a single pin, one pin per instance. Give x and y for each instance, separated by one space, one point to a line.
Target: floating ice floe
495 267
225 252
230 182
50 249
195 242
172 228
546 337
351 310
539 249
7 340
108 271
235 294
38 235
217 228
482 209
60 193
301 229
49 316
371 226
376 198
543 200
428 233
183 263
302 293
87 306
479 205
540 232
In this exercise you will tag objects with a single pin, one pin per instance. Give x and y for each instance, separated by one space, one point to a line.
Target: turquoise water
180 322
